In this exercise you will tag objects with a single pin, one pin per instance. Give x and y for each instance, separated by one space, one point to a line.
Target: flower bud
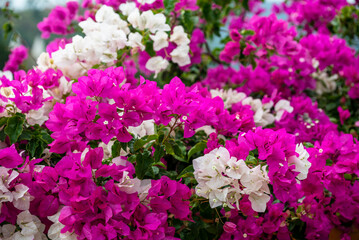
229 227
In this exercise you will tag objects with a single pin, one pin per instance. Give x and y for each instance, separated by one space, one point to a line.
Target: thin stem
174 18
171 129
167 55
123 57
209 53
219 216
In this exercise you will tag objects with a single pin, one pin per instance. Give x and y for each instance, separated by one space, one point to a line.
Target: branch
209 53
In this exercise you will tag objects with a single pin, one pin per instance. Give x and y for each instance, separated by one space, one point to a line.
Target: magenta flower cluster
59 20
17 56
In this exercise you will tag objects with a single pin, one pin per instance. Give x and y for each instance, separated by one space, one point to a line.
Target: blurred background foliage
22 17
23 30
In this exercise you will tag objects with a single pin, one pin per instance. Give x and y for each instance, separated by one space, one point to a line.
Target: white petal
156 64
179 37
180 55
135 41
7 230
160 40
127 8
259 201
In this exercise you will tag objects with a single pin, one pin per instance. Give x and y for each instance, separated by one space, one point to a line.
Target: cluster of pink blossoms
88 206
17 56
282 63
136 129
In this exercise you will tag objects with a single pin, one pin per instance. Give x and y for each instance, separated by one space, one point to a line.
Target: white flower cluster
29 228
301 162
325 83
262 111
109 33
103 38
229 96
224 179
156 24
19 197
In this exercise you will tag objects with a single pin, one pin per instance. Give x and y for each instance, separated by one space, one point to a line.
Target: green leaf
32 146
226 40
187 21
155 170
128 145
169 5
187 172
331 106
26 135
169 148
297 227
93 143
329 162
149 49
141 142
143 164
348 176
245 4
132 158
96 66
2 135
251 160
7 27
175 150
14 127
46 137
222 2
170 174
3 121
116 149
161 136
159 152
207 12
308 145
247 33
161 164
199 147
179 149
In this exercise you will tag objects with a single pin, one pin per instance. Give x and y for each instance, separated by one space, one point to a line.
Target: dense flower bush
131 127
